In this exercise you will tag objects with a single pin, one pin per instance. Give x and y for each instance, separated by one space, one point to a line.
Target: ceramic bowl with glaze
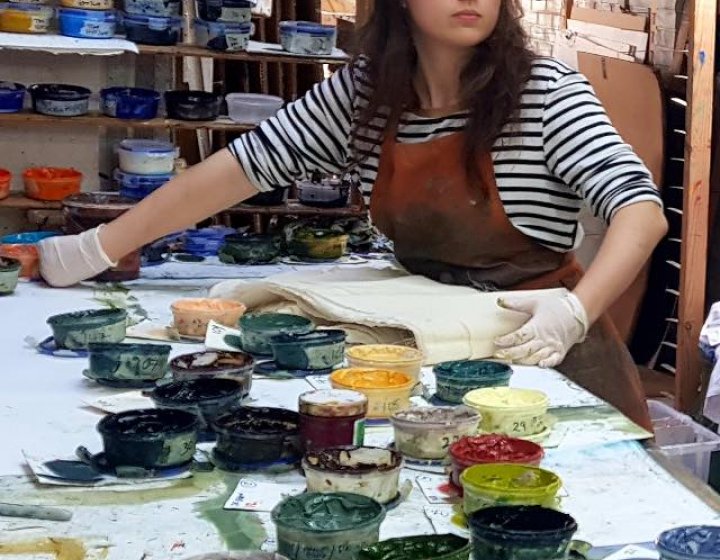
317 350
315 526
514 412
151 438
315 244
215 363
258 329
387 391
192 316
696 542
249 248
9 274
386 356
128 364
368 471
425 547
428 432
78 329
456 379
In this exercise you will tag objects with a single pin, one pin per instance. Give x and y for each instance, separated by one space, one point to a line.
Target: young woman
476 156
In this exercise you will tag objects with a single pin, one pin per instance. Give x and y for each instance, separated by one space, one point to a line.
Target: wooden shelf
280 56
96 119
21 202
294 208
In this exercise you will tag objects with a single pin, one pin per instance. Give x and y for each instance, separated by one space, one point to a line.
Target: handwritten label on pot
254 495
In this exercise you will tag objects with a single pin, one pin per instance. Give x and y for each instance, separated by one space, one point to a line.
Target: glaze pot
12 97
164 8
192 315
215 363
9 274
128 364
318 350
456 379
60 100
514 412
387 391
317 244
153 438
259 328
193 105
387 356
78 329
249 248
308 38
130 103
332 418
152 30
237 11
424 547
695 542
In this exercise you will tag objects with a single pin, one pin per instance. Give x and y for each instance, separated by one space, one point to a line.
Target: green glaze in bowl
249 249
335 526
128 364
424 547
456 379
316 350
78 329
318 244
258 329
9 273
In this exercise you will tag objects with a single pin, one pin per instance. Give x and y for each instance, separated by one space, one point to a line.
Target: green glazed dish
249 249
425 547
9 273
456 379
76 330
128 365
317 350
317 244
258 330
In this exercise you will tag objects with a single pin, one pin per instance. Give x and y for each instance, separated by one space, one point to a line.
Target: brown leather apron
444 229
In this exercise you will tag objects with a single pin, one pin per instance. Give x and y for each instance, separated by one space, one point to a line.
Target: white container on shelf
252 108
146 157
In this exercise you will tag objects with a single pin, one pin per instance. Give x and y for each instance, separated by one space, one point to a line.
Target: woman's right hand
68 259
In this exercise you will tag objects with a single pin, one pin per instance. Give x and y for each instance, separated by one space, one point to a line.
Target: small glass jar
332 418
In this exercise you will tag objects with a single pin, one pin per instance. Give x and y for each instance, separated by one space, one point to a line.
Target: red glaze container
492 448
332 418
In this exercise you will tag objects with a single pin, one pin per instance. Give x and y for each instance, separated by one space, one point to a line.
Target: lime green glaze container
9 273
76 330
498 484
335 526
424 547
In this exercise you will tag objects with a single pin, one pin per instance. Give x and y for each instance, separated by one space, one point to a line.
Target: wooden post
696 200
363 9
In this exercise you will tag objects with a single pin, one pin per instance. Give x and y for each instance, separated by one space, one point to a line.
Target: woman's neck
437 80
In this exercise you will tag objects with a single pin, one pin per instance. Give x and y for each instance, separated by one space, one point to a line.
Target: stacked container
153 22
145 165
224 25
87 19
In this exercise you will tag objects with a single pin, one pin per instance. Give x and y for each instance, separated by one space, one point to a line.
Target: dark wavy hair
492 81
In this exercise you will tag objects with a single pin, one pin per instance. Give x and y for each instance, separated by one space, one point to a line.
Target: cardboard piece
615 41
632 97
630 22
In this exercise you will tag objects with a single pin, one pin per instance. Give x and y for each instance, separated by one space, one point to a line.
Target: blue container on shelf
165 8
12 97
87 24
130 103
307 37
139 186
236 11
152 30
223 36
206 242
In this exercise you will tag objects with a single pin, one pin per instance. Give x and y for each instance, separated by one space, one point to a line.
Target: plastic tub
5 178
147 157
152 30
206 241
387 391
239 11
694 542
428 432
252 108
139 186
87 24
12 96
222 35
421 547
130 103
368 471
514 412
192 105
78 329
23 247
60 100
332 418
456 379
192 316
51 183
9 274
88 4
326 526
325 194
308 38
259 328
25 18
318 350
128 365
683 441
495 484
163 8
386 356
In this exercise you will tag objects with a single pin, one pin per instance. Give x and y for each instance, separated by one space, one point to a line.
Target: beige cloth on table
387 305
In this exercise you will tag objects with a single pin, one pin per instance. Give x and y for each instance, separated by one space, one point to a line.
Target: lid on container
333 403
28 8
505 398
496 448
130 92
436 415
385 353
133 180
255 98
308 27
328 513
147 146
511 479
95 15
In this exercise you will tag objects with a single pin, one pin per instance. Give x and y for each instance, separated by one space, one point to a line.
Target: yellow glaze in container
88 4
387 391
192 316
513 412
505 484
386 356
28 19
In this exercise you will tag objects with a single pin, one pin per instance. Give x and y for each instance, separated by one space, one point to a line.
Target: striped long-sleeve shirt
559 151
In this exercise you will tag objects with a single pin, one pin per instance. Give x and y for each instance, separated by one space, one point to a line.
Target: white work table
615 489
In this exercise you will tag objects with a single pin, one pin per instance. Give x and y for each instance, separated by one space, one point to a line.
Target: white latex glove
556 324
66 260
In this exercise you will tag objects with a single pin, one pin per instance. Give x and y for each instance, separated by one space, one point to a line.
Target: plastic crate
682 440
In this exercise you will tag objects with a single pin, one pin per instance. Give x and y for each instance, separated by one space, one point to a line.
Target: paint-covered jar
495 484
249 248
386 356
259 328
192 316
88 4
164 8
152 30
138 187
78 329
87 24
127 365
455 379
129 102
368 471
332 418
694 542
421 547
12 97
514 412
60 100
387 391
314 351
236 11
326 526
492 448
428 432
9 274
307 37
527 533
51 183
147 157
316 244
215 363
25 18
223 36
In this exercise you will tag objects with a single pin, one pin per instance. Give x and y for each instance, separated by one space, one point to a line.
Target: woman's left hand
556 324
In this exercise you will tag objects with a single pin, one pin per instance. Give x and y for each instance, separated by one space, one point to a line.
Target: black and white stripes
559 151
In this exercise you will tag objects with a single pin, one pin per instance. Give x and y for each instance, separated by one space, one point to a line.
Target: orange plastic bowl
51 183
5 177
26 254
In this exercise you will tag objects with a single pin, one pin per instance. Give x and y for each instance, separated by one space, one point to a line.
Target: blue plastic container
206 242
87 24
223 36
307 37
139 186
152 30
699 542
164 8
12 96
130 103
28 237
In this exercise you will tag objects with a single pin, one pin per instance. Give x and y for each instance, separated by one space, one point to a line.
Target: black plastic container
152 30
60 100
192 105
